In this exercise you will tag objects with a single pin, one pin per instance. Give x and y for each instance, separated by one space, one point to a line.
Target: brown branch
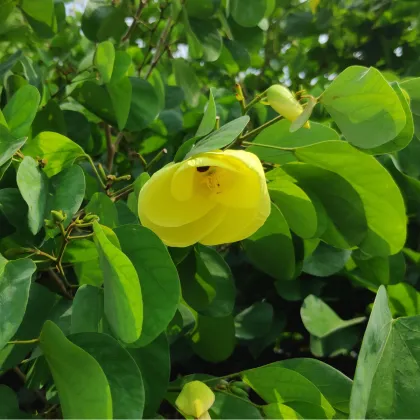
110 148
142 5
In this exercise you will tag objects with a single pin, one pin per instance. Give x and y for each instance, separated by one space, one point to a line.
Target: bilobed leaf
296 207
365 107
121 371
59 151
326 260
144 106
104 60
9 145
412 87
405 136
270 249
248 13
385 384
279 134
209 118
15 281
87 309
120 93
320 320
158 278
213 339
122 292
382 200
254 321
279 385
101 205
221 137
154 363
67 190
40 303
33 185
122 64
187 80
82 386
20 111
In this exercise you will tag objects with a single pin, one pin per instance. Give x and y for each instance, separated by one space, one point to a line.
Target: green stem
156 159
34 340
128 188
81 236
94 170
268 146
256 131
255 101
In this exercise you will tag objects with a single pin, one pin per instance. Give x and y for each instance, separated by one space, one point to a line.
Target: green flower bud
282 101
90 217
241 385
49 224
58 216
238 392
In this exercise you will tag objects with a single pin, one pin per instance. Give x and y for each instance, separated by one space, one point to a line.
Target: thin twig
34 340
256 131
22 376
110 148
142 5
60 283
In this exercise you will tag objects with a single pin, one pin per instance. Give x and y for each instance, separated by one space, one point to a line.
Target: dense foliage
100 319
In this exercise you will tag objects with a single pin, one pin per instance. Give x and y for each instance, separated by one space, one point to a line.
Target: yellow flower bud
282 101
195 399
212 198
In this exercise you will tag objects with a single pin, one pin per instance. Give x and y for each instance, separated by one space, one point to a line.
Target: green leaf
283 411
155 367
122 65
15 281
68 190
87 309
296 207
412 88
213 339
254 321
120 93
82 386
404 300
228 406
144 106
208 36
158 278
202 9
365 107
405 136
320 320
248 13
101 205
209 118
9 405
8 144
104 60
187 80
122 293
40 15
221 137
382 200
279 134
89 272
335 386
40 303
271 249
207 282
279 385
385 384
20 111
326 260
59 151
49 118
381 270
33 185
121 371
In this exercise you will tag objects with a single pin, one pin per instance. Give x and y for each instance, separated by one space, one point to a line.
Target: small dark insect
203 168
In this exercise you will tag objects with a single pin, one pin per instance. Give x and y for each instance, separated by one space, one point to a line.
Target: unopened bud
238 392
282 101
90 217
49 224
58 216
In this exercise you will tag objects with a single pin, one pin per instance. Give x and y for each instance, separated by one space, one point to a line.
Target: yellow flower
195 399
212 198
282 101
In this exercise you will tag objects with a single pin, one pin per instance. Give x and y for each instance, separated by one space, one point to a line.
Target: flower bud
58 216
282 101
238 392
49 224
90 217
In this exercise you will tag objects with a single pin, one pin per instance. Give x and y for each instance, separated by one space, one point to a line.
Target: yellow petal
205 416
195 399
188 234
158 205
